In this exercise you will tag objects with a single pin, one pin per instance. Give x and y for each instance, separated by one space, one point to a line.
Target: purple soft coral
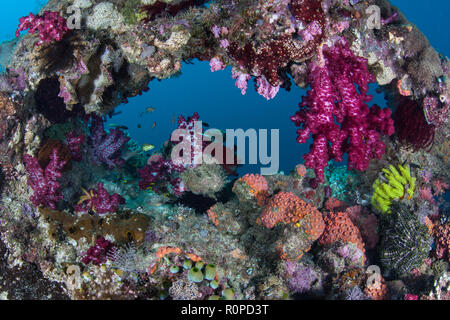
105 148
75 142
337 115
45 182
51 26
99 201
159 169
97 254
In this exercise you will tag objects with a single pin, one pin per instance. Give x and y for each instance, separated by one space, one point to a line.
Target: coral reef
157 224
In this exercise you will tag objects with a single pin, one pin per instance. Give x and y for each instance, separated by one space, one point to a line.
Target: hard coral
251 188
377 290
286 207
44 182
339 227
337 115
99 201
50 25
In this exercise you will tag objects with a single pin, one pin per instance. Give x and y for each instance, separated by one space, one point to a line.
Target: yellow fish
147 147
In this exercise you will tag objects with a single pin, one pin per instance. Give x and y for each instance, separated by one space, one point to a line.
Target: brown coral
124 227
63 151
222 217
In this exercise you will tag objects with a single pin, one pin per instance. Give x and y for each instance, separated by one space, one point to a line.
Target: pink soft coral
337 115
99 201
51 26
44 182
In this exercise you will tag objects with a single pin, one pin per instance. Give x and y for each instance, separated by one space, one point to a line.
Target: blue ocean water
219 102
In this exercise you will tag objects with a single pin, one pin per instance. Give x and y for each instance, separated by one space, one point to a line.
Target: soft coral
44 182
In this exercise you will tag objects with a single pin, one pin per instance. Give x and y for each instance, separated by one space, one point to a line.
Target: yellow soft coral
393 184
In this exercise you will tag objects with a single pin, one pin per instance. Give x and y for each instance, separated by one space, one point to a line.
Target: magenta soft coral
75 142
99 201
337 115
51 26
44 182
106 147
159 169
97 254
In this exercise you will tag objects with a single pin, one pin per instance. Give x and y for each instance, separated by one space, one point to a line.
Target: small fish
147 147
128 155
173 120
154 125
139 126
147 110
206 124
113 125
112 114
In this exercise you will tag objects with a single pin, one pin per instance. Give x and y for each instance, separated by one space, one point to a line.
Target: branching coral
337 115
44 182
391 185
